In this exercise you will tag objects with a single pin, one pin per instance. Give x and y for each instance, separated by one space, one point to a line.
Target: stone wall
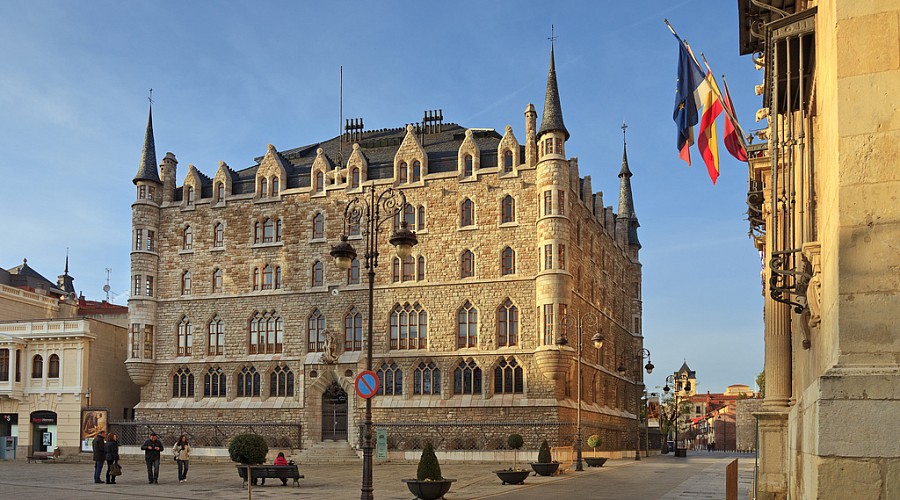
745 423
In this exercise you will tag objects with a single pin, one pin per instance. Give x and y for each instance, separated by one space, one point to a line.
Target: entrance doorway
334 414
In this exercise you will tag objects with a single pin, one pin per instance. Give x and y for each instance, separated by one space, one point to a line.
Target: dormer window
403 173
507 161
189 197
354 178
416 171
275 186
319 184
467 167
263 188
220 191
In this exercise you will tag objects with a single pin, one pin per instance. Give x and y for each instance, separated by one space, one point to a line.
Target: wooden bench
42 456
264 472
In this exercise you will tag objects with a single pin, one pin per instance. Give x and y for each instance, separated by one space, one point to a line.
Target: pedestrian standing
182 457
99 447
112 456
152 447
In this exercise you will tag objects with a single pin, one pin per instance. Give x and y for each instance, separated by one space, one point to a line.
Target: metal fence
215 435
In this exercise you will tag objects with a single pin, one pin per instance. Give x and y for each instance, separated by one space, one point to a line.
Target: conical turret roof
552 118
626 198
147 170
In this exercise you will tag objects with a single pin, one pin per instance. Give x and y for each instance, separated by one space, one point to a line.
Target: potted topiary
429 484
593 441
514 475
247 450
545 465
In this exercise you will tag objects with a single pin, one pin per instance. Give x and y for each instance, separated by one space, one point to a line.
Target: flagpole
671 28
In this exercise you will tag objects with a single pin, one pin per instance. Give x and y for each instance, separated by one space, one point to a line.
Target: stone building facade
825 217
237 313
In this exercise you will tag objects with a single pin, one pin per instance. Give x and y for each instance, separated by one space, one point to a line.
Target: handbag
115 469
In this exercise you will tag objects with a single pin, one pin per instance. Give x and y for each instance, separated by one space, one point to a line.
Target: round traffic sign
367 384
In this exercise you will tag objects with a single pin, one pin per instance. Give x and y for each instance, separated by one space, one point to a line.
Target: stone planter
517 476
429 490
554 360
547 469
595 461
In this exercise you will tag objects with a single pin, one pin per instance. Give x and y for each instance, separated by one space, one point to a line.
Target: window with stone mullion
427 379
507 324
467 378
391 377
508 378
468 326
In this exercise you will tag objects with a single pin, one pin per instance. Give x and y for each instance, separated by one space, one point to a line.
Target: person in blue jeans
182 452
151 448
99 448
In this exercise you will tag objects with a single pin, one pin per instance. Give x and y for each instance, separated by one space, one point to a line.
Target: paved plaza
700 476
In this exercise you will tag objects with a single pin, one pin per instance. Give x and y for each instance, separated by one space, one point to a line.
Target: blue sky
230 77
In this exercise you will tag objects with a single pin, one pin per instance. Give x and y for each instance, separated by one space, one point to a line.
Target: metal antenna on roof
106 287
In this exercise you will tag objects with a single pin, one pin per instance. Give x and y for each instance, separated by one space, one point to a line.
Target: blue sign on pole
367 384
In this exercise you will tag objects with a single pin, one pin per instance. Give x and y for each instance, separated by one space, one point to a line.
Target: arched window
275 186
185 337
353 273
266 333
189 198
467 213
562 256
53 368
421 221
219 235
186 283
278 230
507 324
507 209
187 239
315 332
507 261
548 202
281 382
248 382
318 274
263 188
214 383
257 232
402 172
268 277
409 268
353 330
318 227
395 269
467 167
508 378
467 322
354 228
507 161
427 379
467 264
220 191
409 327
37 366
277 277
216 339
183 383
256 278
268 231
416 171
217 281
467 378
319 185
421 269
354 178
391 377
409 215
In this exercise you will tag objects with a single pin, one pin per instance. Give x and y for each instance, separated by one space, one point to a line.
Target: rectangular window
409 268
4 365
149 288
548 146
135 340
139 239
548 202
151 245
548 257
548 324
562 256
563 310
559 146
150 192
148 341
142 192
562 202
137 285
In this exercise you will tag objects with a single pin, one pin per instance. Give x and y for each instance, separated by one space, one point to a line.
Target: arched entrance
334 413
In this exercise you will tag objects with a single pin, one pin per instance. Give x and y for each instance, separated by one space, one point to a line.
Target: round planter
429 490
553 361
545 469
595 462
512 476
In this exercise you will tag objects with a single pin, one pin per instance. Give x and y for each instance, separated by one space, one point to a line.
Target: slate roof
552 118
24 276
686 369
147 170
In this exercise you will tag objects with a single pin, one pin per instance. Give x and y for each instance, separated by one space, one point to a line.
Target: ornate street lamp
579 321
367 215
638 357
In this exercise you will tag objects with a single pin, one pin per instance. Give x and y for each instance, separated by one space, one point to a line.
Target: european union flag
690 76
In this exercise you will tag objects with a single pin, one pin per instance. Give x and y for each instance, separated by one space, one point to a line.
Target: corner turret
626 217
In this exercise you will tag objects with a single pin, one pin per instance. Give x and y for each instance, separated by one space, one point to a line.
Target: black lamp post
683 385
638 358
366 216
579 321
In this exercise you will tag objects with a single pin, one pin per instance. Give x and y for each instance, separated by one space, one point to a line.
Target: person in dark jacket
112 456
151 448
99 447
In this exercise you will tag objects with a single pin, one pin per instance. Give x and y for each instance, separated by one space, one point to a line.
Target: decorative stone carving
332 349
553 360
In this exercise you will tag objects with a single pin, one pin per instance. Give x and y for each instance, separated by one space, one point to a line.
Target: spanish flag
707 141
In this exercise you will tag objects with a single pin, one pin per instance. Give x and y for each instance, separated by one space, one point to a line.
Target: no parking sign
367 384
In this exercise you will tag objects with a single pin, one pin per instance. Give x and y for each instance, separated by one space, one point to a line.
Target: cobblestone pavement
700 476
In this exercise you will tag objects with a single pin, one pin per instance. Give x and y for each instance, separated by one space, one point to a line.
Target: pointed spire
626 199
64 281
147 170
552 118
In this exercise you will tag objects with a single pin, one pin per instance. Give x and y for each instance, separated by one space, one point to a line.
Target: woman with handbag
112 458
182 457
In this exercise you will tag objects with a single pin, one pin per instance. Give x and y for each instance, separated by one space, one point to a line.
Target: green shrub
248 449
429 468
594 441
515 441
544 456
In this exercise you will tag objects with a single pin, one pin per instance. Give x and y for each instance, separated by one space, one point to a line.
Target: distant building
238 315
62 371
